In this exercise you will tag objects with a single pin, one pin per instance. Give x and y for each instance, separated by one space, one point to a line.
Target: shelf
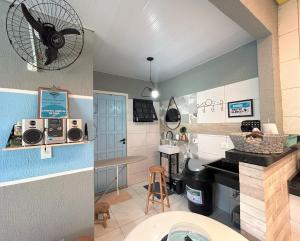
17 148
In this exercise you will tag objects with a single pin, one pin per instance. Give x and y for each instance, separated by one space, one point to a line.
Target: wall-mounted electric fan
47 34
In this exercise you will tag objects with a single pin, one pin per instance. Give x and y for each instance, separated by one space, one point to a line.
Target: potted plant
183 136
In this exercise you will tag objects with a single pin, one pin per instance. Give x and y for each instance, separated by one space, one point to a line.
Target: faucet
169 132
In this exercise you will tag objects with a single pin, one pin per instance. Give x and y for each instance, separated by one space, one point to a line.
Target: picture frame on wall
53 103
240 108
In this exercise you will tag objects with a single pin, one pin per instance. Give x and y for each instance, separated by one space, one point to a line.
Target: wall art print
241 108
210 104
53 103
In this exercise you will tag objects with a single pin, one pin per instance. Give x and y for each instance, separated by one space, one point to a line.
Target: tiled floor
126 215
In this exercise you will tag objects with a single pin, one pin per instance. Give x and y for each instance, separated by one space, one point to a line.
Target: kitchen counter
294 185
264 193
264 160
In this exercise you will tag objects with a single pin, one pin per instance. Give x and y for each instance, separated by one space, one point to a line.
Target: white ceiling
179 34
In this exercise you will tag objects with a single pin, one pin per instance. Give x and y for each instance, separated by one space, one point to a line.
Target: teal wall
239 64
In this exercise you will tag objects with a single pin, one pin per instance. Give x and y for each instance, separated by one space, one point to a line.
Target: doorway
111 137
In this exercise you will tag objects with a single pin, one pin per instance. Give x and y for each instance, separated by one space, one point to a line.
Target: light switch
46 152
195 140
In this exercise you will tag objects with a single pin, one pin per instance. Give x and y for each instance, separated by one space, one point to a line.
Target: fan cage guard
26 41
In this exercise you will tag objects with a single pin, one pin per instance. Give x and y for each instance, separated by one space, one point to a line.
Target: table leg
177 162
160 156
170 171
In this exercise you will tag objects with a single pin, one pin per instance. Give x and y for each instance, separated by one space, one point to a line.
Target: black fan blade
67 31
34 24
51 54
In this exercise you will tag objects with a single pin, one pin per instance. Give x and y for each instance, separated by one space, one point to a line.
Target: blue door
110 121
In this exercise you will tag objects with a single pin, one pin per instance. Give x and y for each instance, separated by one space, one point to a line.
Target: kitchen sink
224 166
168 149
225 173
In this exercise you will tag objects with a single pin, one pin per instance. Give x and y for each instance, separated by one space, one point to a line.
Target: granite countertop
294 185
264 160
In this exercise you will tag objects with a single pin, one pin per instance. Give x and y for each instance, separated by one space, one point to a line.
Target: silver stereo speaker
55 131
32 132
74 130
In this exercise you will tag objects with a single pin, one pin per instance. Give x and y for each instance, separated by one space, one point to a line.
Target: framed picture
241 108
53 103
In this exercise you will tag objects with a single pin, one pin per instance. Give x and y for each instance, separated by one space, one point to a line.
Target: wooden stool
163 192
103 209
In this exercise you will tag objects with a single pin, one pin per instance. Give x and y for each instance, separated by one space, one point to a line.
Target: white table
156 227
116 162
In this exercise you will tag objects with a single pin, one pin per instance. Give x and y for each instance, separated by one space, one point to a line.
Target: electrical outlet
223 145
226 145
46 152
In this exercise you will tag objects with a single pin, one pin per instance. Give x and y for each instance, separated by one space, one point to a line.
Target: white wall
213 147
143 139
288 30
247 89
290 65
289 53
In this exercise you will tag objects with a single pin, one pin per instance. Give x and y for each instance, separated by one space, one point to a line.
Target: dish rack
266 144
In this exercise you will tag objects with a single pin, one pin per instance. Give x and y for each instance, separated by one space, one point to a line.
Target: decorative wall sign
211 103
241 108
53 103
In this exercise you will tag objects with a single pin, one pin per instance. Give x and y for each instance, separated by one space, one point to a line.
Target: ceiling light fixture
154 93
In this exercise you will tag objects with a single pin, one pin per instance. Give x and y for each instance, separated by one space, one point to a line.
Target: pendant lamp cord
151 74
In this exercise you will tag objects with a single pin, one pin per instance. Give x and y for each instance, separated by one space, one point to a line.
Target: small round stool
103 209
158 171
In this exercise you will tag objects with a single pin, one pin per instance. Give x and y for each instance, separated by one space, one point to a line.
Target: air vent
143 111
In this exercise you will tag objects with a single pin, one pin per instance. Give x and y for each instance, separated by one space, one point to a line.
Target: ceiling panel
178 34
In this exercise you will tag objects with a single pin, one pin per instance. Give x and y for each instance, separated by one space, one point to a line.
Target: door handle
123 140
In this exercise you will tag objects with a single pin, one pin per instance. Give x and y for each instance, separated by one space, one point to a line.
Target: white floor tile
115 235
132 192
129 211
176 198
126 229
181 205
127 215
112 225
139 188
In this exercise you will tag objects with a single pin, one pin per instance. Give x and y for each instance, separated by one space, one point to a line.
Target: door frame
126 107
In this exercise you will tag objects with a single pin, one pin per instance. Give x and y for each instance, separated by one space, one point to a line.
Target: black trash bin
198 180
